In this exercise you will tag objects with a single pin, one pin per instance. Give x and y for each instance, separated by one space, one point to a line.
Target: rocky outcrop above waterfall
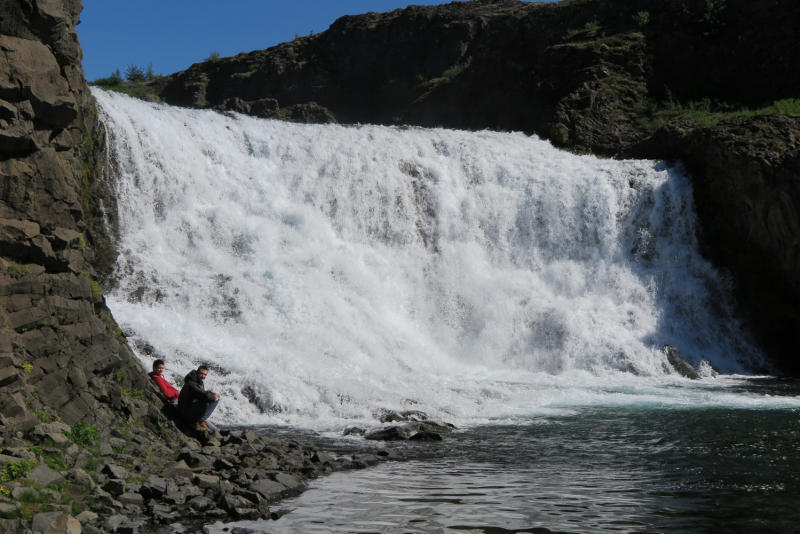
643 78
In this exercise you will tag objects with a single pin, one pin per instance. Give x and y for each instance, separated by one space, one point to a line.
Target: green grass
708 114
134 393
44 417
92 463
17 271
32 496
137 89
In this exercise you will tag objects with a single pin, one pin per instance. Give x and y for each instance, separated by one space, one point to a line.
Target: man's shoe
203 427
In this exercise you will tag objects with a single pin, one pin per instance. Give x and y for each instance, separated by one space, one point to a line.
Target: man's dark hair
202 368
157 363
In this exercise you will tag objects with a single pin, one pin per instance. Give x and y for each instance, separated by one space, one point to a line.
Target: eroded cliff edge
594 76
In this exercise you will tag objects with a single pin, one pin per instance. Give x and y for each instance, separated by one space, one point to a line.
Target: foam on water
335 271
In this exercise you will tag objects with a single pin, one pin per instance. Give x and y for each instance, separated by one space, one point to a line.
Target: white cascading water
329 272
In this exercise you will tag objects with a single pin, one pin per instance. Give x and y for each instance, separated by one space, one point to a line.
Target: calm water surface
629 469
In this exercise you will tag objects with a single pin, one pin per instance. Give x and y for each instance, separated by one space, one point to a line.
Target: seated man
166 388
195 404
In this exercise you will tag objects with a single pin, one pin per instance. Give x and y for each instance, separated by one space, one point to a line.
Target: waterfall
327 272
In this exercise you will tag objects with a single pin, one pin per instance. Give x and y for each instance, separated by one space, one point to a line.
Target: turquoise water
600 469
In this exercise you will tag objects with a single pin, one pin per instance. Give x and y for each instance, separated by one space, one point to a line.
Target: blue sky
173 34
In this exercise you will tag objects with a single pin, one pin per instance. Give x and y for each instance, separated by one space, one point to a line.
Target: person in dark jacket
195 404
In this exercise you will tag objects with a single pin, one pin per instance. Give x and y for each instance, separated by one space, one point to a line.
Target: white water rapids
328 272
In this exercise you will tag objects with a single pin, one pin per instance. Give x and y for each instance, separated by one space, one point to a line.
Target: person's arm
169 391
199 393
166 388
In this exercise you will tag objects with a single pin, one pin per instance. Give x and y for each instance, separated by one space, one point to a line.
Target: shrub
17 271
83 433
96 290
134 393
120 376
28 367
454 71
81 242
641 18
43 416
112 81
150 75
13 470
213 56
30 496
134 73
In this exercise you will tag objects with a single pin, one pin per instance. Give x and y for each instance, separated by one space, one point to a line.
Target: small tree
134 73
213 56
150 75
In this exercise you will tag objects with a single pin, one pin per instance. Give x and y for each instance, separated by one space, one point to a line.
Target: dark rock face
60 349
584 74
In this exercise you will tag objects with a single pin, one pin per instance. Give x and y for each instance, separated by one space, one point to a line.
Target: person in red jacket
166 388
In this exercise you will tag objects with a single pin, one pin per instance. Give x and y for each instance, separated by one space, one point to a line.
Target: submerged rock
425 436
679 364
393 433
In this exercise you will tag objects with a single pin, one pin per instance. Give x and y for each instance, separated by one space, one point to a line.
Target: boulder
131 498
205 481
200 504
116 521
193 459
679 364
44 476
81 477
115 486
426 436
178 469
290 481
87 517
40 432
115 471
392 433
222 464
153 488
42 521
64 524
229 502
8 507
321 458
174 496
269 489
387 454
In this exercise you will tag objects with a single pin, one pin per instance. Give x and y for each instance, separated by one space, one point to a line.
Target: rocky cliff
60 350
596 76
